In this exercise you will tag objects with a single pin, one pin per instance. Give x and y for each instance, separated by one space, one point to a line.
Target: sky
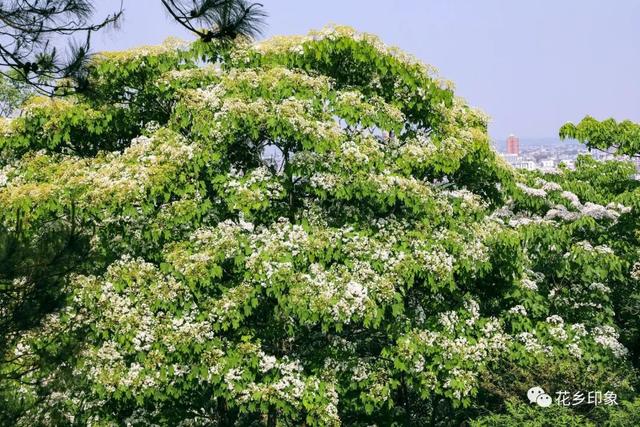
531 65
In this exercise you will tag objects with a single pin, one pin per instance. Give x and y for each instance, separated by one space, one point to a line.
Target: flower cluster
635 271
535 192
257 189
607 337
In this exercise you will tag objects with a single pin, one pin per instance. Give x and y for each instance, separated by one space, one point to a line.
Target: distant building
513 145
510 158
525 164
548 164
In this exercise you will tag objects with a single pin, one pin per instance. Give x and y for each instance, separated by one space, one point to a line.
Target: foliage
519 414
623 137
12 96
523 415
604 187
305 231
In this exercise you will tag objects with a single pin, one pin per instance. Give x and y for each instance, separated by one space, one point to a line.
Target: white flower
555 320
267 362
562 213
232 376
530 342
529 284
607 337
635 271
518 309
436 261
536 192
579 329
473 308
604 249
551 186
575 201
600 287
133 375
324 181
598 211
468 199
558 333
360 372
448 320
619 207
21 349
575 350
109 352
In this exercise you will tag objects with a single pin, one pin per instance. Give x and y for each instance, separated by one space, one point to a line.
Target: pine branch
218 19
28 30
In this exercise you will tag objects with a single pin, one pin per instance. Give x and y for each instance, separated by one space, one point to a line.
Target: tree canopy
622 137
310 230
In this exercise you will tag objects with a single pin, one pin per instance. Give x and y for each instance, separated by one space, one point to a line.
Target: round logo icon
544 400
534 393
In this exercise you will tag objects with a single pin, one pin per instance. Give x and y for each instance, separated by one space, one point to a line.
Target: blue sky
531 65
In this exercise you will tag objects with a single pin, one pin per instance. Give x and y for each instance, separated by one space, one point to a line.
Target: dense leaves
305 231
623 137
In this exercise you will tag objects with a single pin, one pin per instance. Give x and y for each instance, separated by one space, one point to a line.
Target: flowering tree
305 231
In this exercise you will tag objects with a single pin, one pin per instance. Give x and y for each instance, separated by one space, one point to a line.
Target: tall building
513 145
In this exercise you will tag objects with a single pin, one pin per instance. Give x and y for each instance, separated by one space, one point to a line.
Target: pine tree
34 32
